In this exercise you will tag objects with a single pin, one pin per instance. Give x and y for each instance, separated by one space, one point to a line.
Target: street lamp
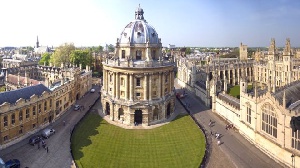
293 160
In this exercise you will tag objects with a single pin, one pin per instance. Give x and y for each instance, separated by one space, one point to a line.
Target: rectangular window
138 55
249 115
296 140
122 81
33 110
153 54
110 78
123 53
50 103
166 78
13 119
138 94
138 82
5 138
40 108
21 115
27 114
5 121
45 105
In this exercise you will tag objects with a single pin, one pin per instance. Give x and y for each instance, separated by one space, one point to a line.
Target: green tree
45 59
111 48
188 51
83 57
62 54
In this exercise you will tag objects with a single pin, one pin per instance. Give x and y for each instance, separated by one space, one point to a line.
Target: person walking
47 149
64 123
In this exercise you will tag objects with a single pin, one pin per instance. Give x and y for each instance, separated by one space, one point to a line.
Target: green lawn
95 143
235 91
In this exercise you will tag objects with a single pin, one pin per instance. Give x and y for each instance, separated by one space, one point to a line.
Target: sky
193 23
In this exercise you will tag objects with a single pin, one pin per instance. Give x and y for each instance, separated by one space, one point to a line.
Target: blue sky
203 23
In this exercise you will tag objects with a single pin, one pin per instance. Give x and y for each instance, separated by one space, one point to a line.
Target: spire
139 13
37 42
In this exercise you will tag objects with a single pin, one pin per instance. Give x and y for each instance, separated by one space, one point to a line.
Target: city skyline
181 23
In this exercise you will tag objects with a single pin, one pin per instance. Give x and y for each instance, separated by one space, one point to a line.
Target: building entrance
138 116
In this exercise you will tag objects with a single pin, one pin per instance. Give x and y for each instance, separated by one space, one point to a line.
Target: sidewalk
235 150
59 144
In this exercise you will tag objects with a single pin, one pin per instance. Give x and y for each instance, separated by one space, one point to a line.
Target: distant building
170 46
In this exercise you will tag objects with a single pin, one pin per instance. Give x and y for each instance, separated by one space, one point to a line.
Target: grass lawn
95 143
235 91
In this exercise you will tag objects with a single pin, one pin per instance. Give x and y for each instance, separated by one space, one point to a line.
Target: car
76 107
93 90
46 133
13 163
2 164
34 140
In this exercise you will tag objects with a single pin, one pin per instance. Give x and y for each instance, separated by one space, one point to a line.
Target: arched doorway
169 110
120 113
138 116
155 114
107 109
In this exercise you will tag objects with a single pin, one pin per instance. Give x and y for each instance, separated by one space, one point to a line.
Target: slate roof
14 80
25 93
292 94
230 100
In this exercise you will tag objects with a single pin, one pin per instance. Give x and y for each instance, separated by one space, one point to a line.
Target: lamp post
293 160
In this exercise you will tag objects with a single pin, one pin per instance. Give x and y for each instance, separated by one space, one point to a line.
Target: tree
83 57
62 54
45 59
111 48
188 51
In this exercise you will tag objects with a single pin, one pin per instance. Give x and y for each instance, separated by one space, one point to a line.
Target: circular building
138 81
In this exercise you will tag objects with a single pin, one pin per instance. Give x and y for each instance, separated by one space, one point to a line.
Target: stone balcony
139 63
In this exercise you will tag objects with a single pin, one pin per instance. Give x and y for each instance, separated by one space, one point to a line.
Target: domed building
138 81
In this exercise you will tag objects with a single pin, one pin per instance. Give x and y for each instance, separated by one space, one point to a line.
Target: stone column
150 87
170 82
145 86
163 85
159 84
229 77
126 87
118 85
131 87
104 80
114 85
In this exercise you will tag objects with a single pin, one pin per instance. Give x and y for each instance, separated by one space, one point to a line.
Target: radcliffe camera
181 84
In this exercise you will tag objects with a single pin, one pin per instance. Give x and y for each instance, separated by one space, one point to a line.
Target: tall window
5 121
249 114
21 115
138 82
40 110
269 120
50 103
166 78
153 54
13 119
122 81
27 114
45 105
123 53
138 55
110 78
296 140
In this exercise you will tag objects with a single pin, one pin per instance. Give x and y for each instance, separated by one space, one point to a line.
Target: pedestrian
219 142
64 123
47 149
211 133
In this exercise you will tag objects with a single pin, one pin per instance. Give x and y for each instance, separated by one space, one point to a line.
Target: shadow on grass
179 116
82 133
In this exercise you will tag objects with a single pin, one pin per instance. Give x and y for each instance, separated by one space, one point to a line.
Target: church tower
243 52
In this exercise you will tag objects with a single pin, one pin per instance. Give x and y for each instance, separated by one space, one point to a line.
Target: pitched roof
292 94
14 80
25 93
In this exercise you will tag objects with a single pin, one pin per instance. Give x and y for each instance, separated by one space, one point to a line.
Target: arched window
296 139
269 120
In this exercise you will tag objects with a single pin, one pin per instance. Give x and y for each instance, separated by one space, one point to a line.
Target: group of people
43 145
228 126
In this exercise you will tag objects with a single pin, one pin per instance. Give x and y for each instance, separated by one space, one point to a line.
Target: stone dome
139 31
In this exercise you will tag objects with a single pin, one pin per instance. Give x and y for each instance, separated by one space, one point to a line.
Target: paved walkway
235 151
59 144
